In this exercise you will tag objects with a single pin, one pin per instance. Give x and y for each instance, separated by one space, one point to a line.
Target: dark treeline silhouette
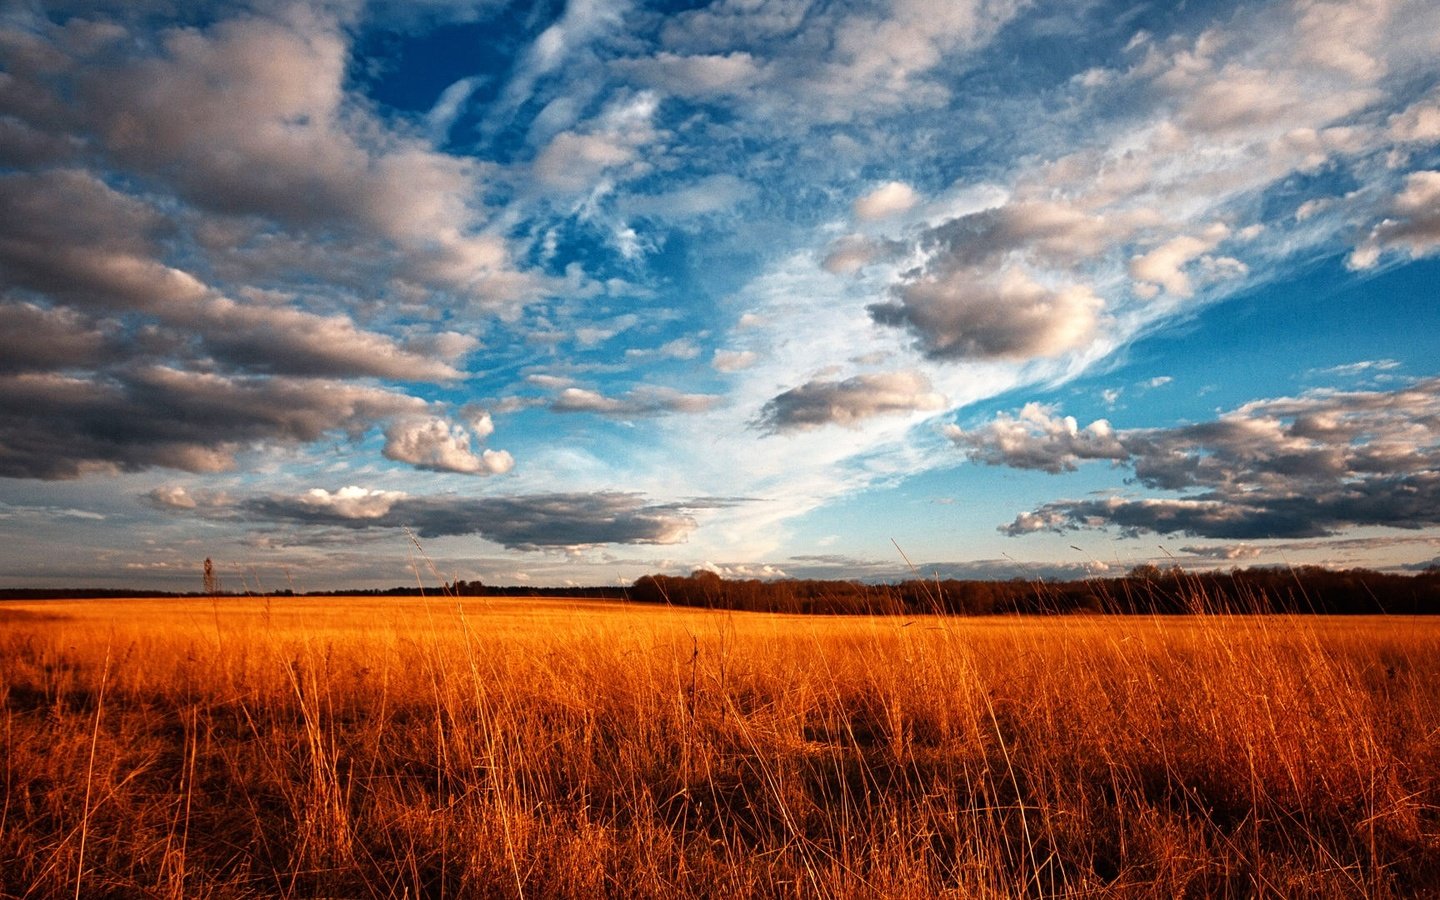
1144 589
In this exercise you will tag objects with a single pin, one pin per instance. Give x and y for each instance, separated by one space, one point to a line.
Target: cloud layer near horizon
1294 467
523 522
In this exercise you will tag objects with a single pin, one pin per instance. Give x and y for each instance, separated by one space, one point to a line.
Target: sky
356 294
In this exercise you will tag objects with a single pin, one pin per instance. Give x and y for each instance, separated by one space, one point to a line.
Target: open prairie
382 747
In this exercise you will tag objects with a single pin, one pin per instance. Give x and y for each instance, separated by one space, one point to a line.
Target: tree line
1144 589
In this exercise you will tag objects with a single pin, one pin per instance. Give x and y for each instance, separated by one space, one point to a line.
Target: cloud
850 254
733 360
642 402
1009 316
841 566
1224 552
1038 439
525 522
1210 123
762 571
249 120
172 497
349 503
583 22
1164 266
269 131
71 237
55 425
1292 467
1411 226
795 66
448 107
1363 367
698 75
300 343
890 199
33 338
822 402
708 195
1417 124
575 161
439 445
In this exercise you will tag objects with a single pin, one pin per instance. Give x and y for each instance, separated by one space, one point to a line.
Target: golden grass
388 747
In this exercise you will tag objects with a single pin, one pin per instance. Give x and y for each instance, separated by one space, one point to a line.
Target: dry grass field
363 747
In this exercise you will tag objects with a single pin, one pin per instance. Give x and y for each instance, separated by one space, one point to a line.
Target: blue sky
582 290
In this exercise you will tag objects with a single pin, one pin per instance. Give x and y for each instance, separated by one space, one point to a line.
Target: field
363 747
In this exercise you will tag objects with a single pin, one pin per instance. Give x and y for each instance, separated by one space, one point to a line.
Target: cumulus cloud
172 497
187 158
440 445
71 236
268 130
300 343
1411 226
350 503
733 360
56 425
850 254
823 402
642 402
68 235
1292 467
1036 438
889 199
1164 266
1223 552
575 160
1211 123
523 522
803 65
1011 316
33 338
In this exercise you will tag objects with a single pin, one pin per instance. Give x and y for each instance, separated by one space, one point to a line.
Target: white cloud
268 130
890 199
850 254
795 65
1164 266
1010 316
642 402
698 75
350 502
448 107
1039 439
575 161
708 195
1412 224
733 360
1419 124
437 444
1291 467
822 402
